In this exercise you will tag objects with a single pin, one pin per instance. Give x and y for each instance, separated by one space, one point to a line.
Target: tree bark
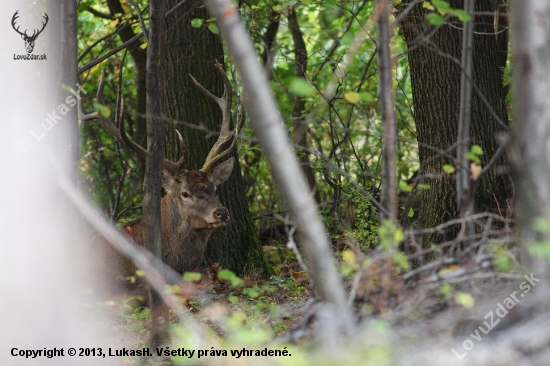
435 77
388 196
529 155
193 51
155 155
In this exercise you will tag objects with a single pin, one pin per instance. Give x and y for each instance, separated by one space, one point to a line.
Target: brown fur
190 212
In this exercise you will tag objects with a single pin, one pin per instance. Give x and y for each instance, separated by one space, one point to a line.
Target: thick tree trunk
529 155
193 51
435 78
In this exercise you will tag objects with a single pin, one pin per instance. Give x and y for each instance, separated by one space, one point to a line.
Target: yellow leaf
465 300
450 268
475 170
348 256
398 236
351 97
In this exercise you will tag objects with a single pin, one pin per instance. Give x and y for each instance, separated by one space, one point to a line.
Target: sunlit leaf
449 169
465 300
351 97
476 149
212 27
462 15
435 19
403 186
196 23
192 276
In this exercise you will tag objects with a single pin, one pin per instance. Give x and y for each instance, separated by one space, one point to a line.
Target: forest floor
445 296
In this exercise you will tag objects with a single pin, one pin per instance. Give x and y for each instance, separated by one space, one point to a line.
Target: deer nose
222 215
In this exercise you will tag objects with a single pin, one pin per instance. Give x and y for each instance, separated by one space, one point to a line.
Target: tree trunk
435 78
529 155
153 165
193 51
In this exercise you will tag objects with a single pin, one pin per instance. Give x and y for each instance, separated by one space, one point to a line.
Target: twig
124 45
119 119
141 21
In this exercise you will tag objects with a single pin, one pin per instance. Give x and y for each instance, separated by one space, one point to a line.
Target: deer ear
222 172
168 181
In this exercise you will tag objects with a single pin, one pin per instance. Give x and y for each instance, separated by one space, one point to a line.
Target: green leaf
503 263
192 276
435 19
366 96
449 169
398 236
196 23
446 289
301 88
410 214
476 149
462 15
539 249
404 187
227 275
212 27
473 158
541 225
400 259
442 6
233 299
465 300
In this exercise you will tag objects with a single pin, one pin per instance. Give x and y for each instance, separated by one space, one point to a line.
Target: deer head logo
29 40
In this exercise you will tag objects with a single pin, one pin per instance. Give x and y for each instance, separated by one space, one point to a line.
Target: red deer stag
190 211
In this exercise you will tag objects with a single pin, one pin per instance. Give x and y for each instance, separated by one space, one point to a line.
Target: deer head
29 40
190 210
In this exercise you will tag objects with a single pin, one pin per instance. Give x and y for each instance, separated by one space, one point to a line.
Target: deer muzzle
220 217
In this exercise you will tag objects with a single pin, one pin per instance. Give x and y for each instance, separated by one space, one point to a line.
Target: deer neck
183 246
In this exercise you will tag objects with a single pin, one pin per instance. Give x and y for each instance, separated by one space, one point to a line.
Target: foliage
343 145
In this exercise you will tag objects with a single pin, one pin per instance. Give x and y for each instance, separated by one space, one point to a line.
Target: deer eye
185 195
202 197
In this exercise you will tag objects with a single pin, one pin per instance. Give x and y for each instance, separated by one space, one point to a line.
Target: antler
35 34
120 134
15 16
216 153
36 31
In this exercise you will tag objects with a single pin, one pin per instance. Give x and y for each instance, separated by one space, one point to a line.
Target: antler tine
45 16
120 133
13 19
224 103
176 167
